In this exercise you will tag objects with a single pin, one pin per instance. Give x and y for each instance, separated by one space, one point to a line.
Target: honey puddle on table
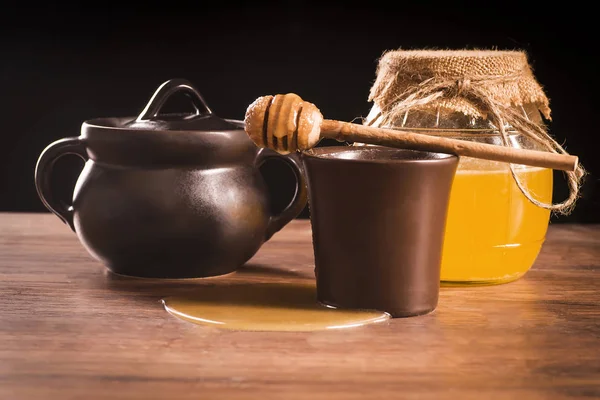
265 307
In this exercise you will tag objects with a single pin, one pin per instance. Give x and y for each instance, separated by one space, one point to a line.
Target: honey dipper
287 123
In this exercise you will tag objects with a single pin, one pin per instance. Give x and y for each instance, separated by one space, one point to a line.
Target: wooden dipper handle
287 123
345 131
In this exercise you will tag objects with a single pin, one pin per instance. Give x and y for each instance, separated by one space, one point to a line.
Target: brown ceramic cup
378 216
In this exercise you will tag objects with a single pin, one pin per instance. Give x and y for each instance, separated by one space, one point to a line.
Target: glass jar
493 232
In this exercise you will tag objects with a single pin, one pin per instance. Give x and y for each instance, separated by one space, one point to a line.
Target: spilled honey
265 307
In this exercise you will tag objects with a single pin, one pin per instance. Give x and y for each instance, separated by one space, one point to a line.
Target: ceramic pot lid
157 139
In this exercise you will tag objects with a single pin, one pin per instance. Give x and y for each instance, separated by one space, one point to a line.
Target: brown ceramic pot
168 196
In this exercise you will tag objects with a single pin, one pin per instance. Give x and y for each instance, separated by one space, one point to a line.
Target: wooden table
70 330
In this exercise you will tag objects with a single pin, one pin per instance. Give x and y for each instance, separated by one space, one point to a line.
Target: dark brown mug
378 217
168 195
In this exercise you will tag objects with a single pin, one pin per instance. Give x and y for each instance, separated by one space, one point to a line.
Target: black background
63 64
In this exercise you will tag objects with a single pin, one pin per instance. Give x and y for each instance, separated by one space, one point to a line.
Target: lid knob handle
165 91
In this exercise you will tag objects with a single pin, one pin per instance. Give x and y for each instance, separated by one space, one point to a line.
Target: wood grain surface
70 330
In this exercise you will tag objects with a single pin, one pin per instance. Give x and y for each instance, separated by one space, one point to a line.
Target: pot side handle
43 174
298 202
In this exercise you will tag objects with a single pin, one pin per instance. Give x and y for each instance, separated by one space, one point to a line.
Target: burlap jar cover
496 86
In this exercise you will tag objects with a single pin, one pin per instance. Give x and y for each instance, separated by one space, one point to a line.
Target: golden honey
265 307
493 233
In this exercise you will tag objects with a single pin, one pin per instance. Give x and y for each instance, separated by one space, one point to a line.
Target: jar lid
433 88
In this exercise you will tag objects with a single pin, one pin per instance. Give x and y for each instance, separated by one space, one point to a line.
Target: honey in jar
493 233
